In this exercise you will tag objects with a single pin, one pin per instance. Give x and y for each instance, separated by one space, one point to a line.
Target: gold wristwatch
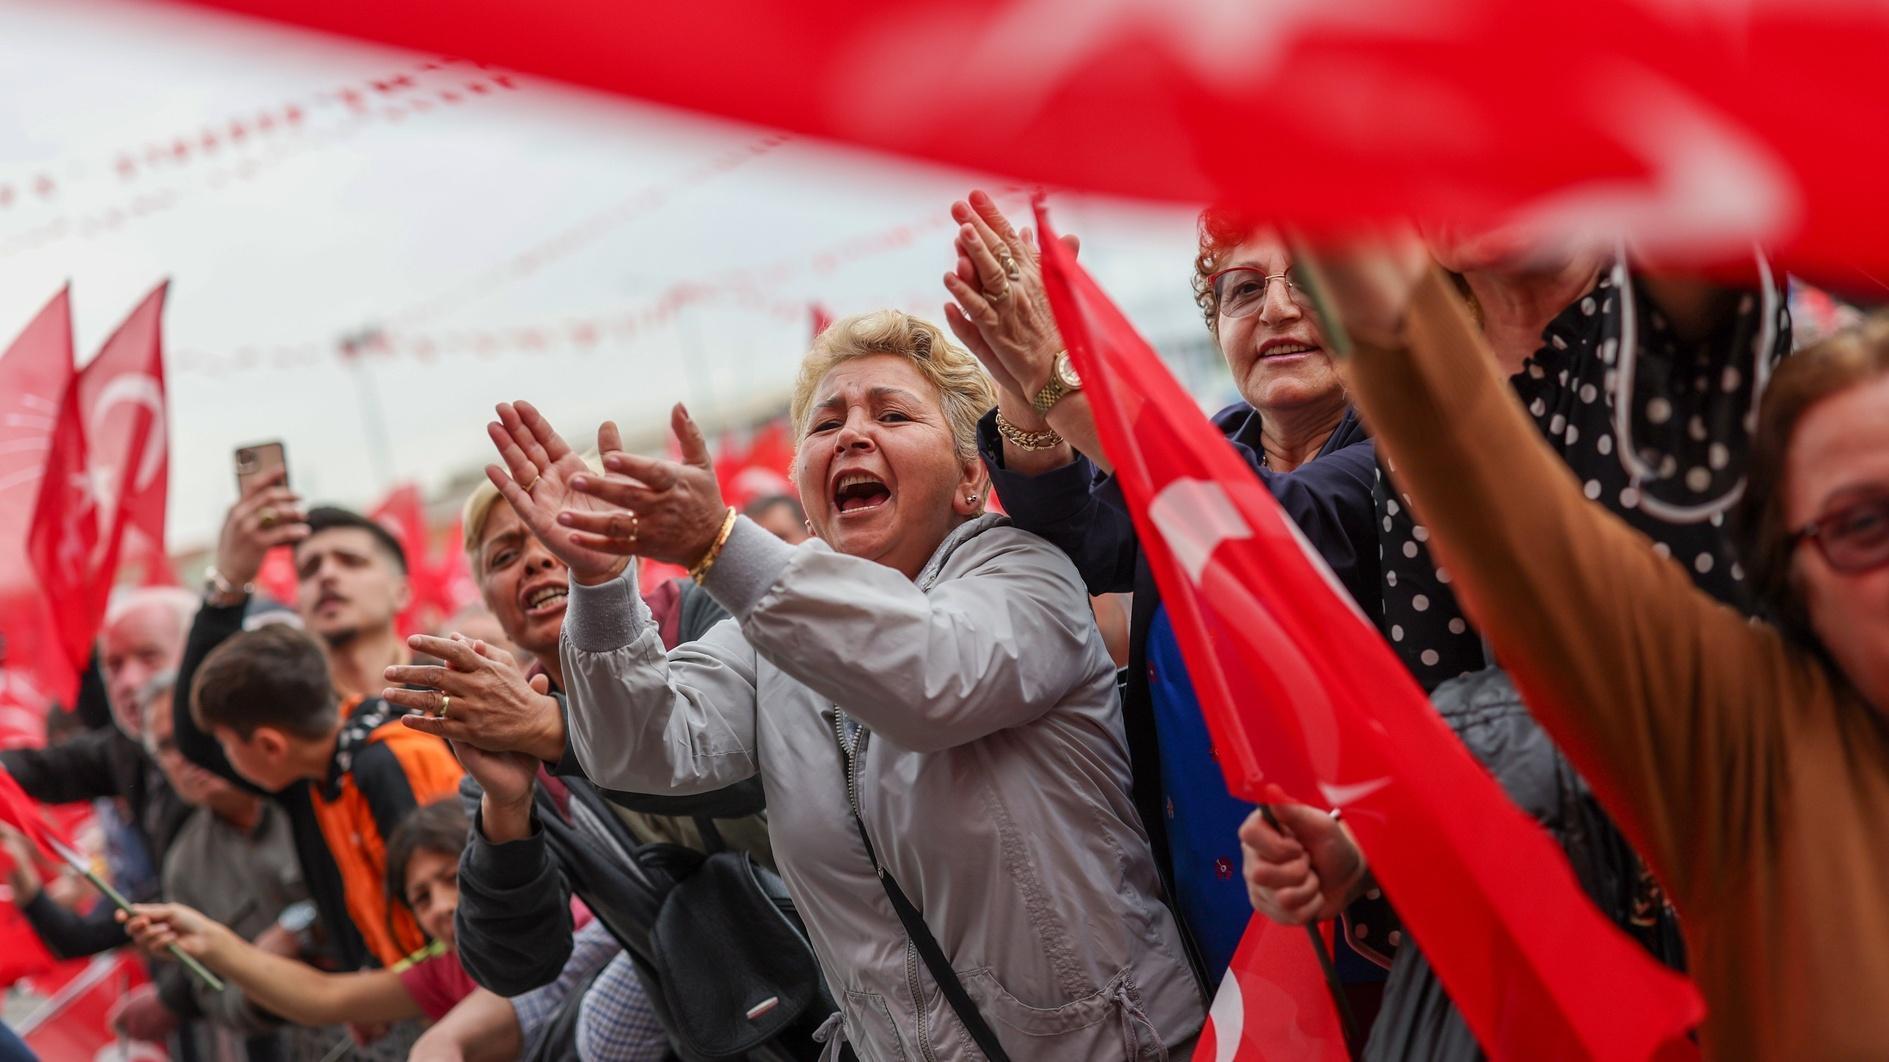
1062 381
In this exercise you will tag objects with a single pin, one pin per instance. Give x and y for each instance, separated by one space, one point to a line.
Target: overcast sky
515 214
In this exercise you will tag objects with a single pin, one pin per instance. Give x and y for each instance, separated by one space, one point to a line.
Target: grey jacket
991 773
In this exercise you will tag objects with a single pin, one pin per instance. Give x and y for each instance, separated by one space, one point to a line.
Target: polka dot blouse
1671 462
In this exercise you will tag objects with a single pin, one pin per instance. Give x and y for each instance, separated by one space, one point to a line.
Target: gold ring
1011 268
534 482
267 517
445 705
1000 294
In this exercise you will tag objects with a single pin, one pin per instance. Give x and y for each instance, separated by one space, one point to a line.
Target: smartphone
258 460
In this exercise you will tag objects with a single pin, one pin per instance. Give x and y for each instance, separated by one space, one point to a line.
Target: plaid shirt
617 1023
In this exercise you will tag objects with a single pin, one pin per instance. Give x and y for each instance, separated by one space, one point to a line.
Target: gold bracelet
1027 440
700 571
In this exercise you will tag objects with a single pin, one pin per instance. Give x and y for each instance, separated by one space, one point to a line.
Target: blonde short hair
964 389
478 510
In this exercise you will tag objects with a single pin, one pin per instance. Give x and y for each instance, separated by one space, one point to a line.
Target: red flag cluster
90 451
437 572
1300 691
756 464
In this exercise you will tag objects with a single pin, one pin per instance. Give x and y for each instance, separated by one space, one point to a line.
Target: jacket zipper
852 754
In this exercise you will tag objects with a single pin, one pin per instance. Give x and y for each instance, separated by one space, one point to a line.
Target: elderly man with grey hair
143 637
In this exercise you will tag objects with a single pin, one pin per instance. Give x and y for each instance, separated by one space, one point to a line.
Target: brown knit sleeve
1669 703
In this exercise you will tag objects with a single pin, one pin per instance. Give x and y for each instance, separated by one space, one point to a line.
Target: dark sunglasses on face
1242 290
1853 538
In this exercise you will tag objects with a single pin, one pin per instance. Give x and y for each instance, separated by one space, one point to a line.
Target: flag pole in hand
77 862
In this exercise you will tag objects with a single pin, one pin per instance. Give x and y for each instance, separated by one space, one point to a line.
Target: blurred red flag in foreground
107 472
1300 691
1695 127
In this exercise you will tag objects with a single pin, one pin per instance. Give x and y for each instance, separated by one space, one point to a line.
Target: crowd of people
873 782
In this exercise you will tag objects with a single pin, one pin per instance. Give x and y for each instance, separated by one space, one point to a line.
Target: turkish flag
108 470
1300 691
1695 128
440 581
756 464
35 373
404 516
19 811
1272 1003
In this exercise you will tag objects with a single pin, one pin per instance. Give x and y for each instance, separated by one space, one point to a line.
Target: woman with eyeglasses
1295 428
1749 762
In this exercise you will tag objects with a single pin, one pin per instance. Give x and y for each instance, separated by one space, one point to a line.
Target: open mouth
327 601
859 492
1287 350
546 600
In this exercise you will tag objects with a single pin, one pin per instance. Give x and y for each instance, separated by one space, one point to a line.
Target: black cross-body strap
920 936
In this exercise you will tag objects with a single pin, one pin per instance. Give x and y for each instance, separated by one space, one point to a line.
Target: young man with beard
305 726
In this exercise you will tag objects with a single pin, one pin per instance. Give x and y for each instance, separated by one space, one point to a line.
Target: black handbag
733 963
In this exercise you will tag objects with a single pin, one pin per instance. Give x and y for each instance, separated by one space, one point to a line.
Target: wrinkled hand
1307 869
22 871
156 926
537 482
268 515
508 778
141 1015
1001 312
666 510
493 707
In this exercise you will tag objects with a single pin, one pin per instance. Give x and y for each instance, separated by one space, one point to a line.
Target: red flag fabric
440 582
35 372
756 465
404 516
276 577
1273 1003
822 319
107 471
19 811
75 1023
1300 691
1693 127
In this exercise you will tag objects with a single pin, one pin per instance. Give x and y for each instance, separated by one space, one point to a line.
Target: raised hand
671 511
1001 312
1305 869
267 515
493 706
537 481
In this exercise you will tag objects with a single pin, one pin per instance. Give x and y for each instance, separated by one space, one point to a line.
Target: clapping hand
667 510
478 696
538 481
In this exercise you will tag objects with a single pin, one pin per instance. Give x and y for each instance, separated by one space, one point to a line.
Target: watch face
1066 371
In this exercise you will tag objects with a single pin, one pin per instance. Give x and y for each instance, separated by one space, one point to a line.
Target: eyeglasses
1242 290
1853 539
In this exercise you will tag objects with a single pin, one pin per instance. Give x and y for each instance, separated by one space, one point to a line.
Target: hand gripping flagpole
78 863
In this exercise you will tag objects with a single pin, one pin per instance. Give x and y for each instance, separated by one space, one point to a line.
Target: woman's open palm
536 481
